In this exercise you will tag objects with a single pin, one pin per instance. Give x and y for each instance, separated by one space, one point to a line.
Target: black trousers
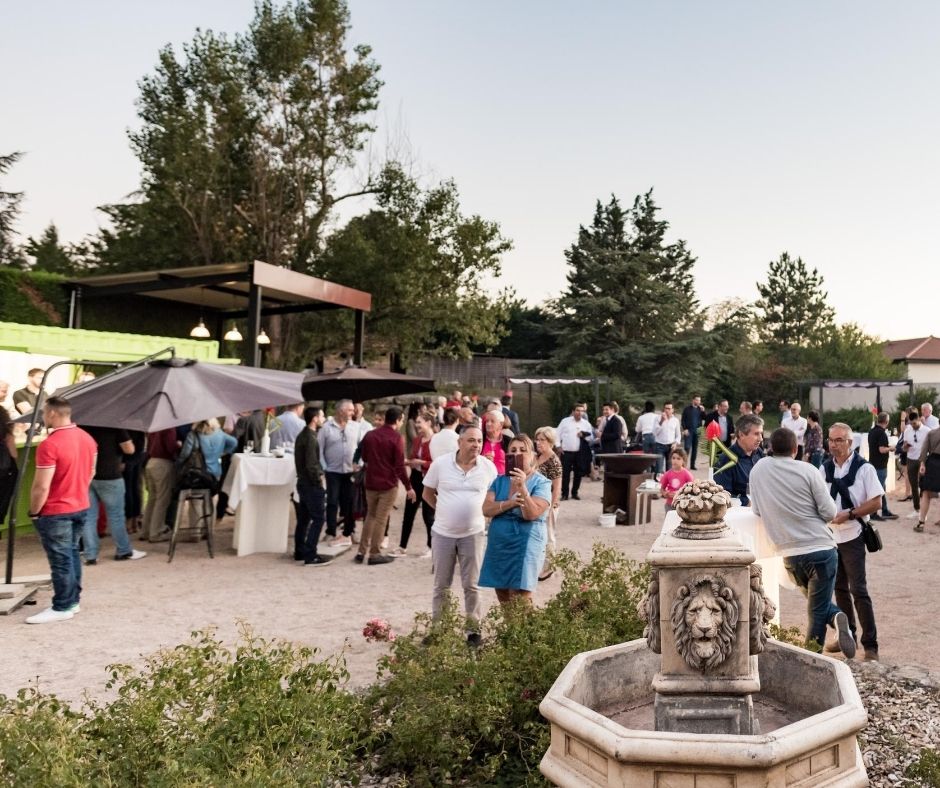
570 461
411 511
339 499
852 586
310 515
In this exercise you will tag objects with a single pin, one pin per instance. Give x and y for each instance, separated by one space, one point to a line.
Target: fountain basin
601 714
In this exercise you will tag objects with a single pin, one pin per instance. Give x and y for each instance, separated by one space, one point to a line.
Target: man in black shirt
878 450
107 487
311 508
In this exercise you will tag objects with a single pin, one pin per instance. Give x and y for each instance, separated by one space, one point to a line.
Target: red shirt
162 445
421 450
71 452
383 451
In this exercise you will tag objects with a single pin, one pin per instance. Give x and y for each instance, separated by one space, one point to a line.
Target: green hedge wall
32 298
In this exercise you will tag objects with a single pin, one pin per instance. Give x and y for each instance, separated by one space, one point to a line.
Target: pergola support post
359 338
254 324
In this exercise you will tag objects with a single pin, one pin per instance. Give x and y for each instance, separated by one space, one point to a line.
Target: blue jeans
815 574
883 478
60 534
110 492
649 447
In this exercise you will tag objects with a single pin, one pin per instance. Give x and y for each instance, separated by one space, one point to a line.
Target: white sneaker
913 516
75 609
133 555
398 552
426 554
49 615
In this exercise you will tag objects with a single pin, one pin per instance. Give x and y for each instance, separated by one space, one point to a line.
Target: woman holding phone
518 501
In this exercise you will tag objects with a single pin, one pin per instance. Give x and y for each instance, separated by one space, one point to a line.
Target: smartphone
510 463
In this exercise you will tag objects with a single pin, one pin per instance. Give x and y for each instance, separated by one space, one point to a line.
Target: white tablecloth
751 530
259 490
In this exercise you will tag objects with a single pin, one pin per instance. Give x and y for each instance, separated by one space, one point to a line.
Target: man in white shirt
914 436
930 421
797 425
854 486
570 429
445 441
668 435
455 486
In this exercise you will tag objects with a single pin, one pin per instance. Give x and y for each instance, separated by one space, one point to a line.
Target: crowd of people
489 495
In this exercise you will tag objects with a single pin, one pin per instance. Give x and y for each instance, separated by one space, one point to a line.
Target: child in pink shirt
672 480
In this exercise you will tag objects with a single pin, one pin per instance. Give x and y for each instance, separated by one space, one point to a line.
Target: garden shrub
267 712
926 769
448 714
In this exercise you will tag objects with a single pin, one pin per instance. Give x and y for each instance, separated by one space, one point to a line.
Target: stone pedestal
707 673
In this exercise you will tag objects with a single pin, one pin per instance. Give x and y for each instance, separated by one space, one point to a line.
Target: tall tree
49 255
245 141
792 307
630 301
10 254
428 266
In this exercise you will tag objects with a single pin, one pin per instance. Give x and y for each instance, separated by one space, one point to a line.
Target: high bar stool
198 502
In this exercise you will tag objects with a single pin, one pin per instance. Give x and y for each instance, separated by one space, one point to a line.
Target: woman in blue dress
518 502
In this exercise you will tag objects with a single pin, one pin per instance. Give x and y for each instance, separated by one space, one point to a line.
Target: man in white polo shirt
930 421
455 486
854 486
445 441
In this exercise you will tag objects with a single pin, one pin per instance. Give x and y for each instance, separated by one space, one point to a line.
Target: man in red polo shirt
65 465
383 452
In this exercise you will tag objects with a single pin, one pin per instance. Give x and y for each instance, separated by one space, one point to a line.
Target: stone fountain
706 699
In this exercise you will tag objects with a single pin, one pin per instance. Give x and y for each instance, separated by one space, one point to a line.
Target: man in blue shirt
749 434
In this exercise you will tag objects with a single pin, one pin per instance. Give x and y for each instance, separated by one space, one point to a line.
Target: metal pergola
229 291
878 385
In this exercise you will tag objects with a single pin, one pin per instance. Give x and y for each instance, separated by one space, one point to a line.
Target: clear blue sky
811 128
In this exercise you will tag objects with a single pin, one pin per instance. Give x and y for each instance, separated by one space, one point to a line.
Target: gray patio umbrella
170 392
360 384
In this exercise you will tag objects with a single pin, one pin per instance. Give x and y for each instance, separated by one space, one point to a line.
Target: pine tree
630 296
9 212
792 306
48 255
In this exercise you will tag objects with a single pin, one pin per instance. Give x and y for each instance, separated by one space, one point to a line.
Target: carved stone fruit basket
701 505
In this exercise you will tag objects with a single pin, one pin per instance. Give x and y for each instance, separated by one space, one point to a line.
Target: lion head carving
704 621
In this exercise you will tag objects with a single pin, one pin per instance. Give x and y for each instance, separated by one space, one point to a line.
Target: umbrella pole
31 432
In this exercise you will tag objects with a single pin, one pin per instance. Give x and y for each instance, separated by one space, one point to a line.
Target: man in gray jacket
796 508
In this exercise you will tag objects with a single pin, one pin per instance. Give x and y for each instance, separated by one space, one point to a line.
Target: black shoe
358 559
317 560
876 517
474 640
298 557
564 497
909 498
889 516
693 468
91 561
380 559
846 638
575 497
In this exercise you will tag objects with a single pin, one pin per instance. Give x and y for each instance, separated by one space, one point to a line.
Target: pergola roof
225 289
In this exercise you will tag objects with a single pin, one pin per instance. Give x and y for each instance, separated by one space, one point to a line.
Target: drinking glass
249 447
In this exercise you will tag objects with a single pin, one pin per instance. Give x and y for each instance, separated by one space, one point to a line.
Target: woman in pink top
495 442
672 480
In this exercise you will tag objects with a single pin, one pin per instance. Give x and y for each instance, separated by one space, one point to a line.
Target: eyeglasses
838 440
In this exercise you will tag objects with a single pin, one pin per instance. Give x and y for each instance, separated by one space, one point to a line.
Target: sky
807 127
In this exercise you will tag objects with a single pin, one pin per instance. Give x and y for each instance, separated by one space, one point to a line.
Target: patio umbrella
170 392
360 384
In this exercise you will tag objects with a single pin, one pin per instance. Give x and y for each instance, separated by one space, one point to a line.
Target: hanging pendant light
263 338
199 330
233 334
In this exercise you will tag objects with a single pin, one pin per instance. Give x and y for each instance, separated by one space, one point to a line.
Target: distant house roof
920 349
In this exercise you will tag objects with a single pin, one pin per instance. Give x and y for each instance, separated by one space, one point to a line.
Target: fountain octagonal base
808 706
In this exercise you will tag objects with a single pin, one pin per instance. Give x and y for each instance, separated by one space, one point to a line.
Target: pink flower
584 587
378 629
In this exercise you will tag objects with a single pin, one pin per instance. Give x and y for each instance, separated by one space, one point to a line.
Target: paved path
133 608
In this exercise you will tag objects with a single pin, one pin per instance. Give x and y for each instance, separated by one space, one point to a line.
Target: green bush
859 419
34 298
446 714
266 712
926 769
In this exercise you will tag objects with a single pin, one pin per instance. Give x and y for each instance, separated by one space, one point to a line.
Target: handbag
871 536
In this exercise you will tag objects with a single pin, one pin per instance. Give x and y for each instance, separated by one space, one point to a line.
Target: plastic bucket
607 520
